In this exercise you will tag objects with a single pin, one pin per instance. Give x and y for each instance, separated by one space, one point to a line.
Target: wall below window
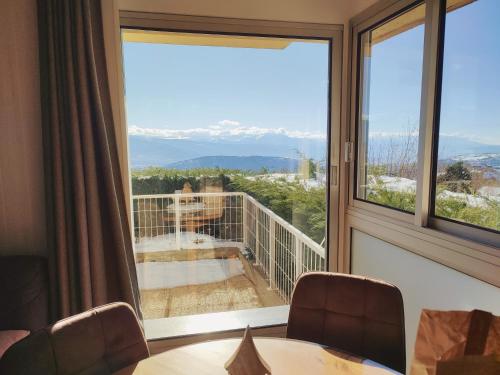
22 215
424 283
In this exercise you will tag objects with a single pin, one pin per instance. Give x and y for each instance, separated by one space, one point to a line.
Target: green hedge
167 181
452 208
304 208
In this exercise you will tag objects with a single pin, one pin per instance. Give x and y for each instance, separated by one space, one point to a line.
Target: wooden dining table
284 356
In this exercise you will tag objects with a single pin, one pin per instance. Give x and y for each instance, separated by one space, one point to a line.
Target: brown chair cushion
99 341
9 338
24 293
355 314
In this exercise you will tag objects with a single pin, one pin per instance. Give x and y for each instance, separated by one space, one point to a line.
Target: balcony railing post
245 219
257 243
298 258
272 253
177 222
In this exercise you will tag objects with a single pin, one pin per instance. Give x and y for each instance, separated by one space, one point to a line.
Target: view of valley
471 193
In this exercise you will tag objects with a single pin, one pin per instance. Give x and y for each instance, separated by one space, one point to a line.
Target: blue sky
395 79
185 87
471 79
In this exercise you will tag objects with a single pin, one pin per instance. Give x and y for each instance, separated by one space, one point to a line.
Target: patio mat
236 293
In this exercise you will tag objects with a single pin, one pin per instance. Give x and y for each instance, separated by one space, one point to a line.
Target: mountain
148 151
450 147
161 148
490 162
457 147
248 163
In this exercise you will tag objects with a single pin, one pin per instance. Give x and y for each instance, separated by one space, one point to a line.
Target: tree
307 166
313 168
457 178
395 156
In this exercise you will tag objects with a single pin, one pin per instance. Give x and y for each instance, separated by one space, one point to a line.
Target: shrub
400 200
155 180
485 216
456 178
304 208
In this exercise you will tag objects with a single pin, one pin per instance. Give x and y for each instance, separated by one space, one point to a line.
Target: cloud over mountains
224 129
161 147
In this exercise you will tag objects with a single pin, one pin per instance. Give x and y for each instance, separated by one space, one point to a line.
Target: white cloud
379 134
234 130
484 140
487 140
229 123
229 128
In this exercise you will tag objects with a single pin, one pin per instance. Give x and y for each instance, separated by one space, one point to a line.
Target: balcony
211 252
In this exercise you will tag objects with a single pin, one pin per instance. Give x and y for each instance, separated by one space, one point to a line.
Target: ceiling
316 11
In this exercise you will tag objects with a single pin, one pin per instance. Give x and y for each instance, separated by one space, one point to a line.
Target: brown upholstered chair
98 341
354 314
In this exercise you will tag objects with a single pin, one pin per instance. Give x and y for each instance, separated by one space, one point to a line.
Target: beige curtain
90 247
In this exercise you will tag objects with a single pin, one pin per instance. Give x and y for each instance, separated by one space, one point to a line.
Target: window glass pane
390 86
468 165
228 157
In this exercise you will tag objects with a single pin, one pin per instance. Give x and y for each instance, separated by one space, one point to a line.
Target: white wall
423 283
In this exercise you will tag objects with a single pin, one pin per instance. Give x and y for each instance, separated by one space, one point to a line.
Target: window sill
474 259
192 325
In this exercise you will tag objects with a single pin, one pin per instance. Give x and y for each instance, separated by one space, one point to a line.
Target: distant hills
450 147
276 151
147 151
457 147
247 163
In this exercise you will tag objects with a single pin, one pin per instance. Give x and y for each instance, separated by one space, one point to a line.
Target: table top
185 207
284 356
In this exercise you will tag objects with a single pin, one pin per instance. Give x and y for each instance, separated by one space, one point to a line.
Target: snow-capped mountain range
170 147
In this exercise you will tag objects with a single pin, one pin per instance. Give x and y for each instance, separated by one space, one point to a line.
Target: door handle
333 175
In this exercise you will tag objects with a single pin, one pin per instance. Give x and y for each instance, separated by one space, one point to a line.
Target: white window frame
332 33
201 24
356 79
468 249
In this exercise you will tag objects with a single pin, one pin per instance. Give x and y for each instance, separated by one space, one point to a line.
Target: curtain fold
90 247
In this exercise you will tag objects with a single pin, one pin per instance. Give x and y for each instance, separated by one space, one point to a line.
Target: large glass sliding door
229 155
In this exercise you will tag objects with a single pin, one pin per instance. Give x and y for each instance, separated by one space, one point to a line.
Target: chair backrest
355 314
99 341
24 293
214 205
187 188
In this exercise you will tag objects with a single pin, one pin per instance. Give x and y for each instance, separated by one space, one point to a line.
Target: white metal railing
281 251
216 214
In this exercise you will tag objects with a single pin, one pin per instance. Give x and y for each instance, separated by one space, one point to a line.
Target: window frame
467 230
473 249
358 29
232 26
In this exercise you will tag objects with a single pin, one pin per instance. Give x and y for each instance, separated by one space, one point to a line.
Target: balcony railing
229 219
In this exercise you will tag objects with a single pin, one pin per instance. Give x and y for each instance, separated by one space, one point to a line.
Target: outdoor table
284 356
186 208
